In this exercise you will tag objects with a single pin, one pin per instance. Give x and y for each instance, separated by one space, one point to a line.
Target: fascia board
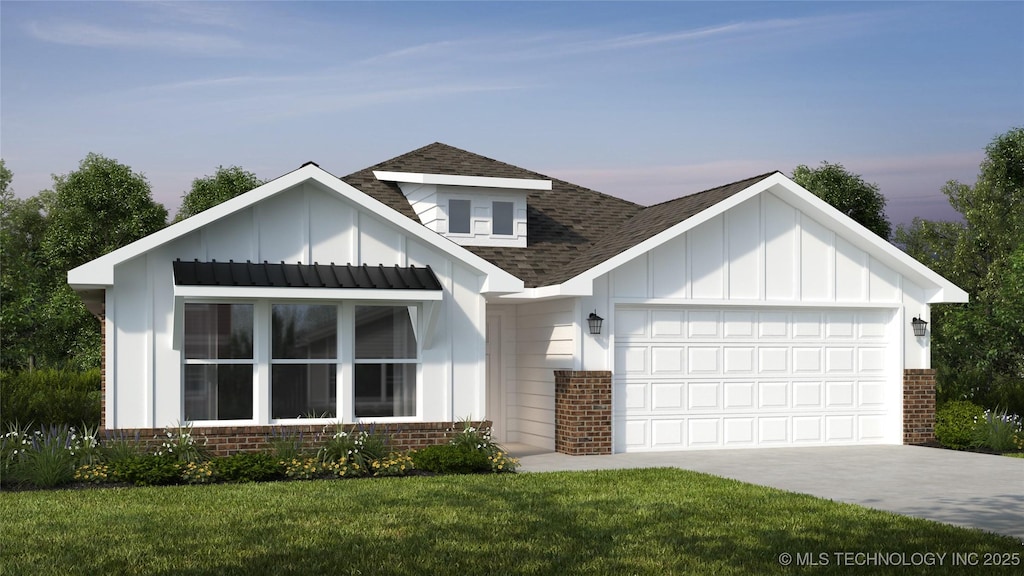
455 180
100 272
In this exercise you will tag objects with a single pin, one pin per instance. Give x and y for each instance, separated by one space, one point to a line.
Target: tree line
89 212
977 348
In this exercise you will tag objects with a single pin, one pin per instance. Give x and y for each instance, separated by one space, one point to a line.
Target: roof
569 228
281 275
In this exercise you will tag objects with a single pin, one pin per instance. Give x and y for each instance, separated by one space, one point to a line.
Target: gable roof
99 273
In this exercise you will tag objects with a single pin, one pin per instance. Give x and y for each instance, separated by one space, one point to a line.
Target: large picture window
218 362
386 359
304 361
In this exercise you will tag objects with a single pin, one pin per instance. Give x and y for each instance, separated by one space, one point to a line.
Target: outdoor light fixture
919 326
594 321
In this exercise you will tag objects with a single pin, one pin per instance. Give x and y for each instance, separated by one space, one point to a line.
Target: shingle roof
281 275
569 228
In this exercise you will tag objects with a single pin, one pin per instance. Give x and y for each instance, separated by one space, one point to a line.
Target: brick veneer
227 440
918 405
583 412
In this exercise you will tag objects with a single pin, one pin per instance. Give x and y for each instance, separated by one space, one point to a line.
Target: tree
96 209
848 193
978 347
208 191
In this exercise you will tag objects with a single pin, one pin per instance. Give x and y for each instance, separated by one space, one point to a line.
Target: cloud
94 36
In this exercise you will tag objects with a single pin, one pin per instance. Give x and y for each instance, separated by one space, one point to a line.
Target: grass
1014 454
609 522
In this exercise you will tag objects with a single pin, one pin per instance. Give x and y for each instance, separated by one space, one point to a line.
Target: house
442 285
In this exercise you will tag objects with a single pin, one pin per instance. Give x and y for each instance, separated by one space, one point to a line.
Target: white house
442 285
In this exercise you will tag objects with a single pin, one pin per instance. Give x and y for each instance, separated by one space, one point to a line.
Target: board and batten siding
765 252
302 225
545 342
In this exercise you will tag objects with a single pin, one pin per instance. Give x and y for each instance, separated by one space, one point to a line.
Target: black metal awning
281 275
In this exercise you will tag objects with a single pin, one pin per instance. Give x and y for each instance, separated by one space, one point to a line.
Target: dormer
469 210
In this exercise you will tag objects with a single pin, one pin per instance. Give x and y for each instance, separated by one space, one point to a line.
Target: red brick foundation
918 405
103 370
583 412
228 440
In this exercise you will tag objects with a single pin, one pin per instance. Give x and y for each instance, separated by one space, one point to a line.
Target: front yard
612 522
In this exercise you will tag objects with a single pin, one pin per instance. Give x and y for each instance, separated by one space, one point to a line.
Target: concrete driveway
975 490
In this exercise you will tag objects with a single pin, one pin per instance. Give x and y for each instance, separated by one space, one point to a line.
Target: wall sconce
594 321
919 326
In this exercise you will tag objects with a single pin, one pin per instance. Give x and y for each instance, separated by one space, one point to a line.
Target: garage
702 377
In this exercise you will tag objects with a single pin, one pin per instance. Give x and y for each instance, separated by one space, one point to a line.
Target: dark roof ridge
758 178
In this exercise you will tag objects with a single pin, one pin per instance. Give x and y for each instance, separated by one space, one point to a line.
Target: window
501 222
304 361
218 362
458 216
386 359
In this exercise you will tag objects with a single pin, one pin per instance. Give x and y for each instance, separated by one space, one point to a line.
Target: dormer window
502 216
459 221
470 210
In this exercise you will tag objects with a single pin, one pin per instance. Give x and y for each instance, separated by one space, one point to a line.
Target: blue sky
646 101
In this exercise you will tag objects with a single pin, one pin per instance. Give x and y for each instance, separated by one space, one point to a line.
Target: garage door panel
807 429
667 360
704 396
705 378
667 434
739 431
807 394
703 431
739 360
667 396
773 395
703 360
739 395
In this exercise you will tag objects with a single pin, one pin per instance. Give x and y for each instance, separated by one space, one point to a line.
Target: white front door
495 383
688 378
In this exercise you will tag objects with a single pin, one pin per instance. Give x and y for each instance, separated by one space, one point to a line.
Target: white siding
545 342
304 224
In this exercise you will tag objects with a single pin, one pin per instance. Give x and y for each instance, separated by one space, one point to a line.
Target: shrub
197 472
48 459
955 423
50 397
285 444
997 430
181 445
117 446
479 439
451 459
249 467
356 450
394 464
147 470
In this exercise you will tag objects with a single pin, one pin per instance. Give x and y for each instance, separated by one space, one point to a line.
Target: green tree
23 272
978 348
848 193
209 191
96 209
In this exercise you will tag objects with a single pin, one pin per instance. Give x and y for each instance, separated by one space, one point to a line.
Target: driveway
975 490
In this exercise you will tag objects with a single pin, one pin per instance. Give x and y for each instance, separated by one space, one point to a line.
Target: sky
645 101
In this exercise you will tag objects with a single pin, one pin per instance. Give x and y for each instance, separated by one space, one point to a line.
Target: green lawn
612 522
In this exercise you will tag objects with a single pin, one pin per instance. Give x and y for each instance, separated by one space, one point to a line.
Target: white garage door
688 378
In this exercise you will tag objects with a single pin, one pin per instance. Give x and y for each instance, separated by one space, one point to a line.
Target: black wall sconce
594 321
919 326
